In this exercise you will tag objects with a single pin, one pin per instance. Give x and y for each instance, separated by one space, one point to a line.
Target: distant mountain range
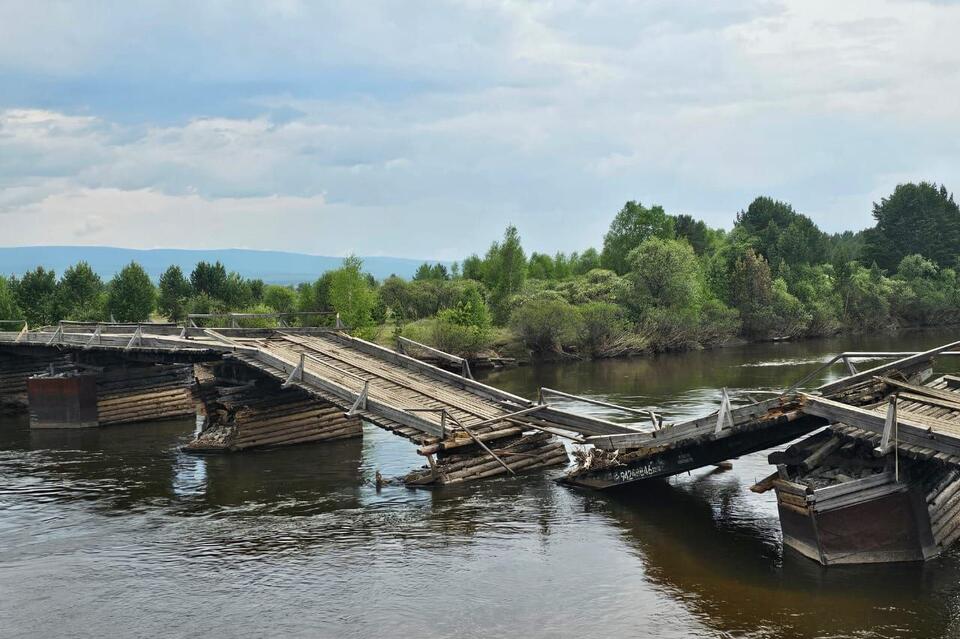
275 267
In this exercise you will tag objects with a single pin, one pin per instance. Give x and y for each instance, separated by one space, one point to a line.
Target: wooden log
821 453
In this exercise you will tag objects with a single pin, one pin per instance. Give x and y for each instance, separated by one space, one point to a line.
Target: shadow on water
731 571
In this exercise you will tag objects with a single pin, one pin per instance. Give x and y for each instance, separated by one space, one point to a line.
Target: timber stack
261 414
139 393
14 372
523 452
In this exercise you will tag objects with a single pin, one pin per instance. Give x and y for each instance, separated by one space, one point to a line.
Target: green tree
540 266
36 295
352 296
505 271
751 292
546 324
585 262
282 299
664 273
8 302
916 219
427 271
631 226
79 294
210 279
700 236
174 294
473 268
131 294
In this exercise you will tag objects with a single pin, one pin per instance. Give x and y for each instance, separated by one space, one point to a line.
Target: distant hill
275 267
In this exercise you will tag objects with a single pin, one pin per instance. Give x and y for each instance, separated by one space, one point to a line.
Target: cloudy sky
421 129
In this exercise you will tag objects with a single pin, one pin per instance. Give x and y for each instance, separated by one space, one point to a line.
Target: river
114 533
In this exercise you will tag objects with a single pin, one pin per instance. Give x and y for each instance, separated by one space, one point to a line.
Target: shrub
546 324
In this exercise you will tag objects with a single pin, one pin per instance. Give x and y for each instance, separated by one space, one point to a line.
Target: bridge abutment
76 396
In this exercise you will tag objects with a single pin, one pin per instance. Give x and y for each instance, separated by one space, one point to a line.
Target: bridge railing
847 358
263 320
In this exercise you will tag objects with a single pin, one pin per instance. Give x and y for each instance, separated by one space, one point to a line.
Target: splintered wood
259 415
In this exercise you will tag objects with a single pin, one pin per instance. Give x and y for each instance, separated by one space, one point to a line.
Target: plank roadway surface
388 382
403 394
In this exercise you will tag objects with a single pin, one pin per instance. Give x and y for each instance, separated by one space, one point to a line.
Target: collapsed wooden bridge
284 386
883 479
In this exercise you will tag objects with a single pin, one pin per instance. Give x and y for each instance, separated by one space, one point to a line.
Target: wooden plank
829 492
952 399
910 429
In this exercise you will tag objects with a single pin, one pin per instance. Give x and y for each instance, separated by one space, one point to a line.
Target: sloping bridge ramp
433 407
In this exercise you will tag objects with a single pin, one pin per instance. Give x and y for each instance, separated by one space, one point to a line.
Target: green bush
546 325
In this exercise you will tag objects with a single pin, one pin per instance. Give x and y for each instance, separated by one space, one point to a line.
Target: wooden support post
361 403
57 336
723 414
137 337
295 374
889 427
95 336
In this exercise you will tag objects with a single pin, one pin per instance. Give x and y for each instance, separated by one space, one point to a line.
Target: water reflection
299 541
727 569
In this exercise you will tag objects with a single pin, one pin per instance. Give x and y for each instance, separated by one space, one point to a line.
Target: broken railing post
137 337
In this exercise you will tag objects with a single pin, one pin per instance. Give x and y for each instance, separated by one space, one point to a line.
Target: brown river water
114 533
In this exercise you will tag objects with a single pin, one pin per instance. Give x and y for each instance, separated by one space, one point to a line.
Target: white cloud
422 130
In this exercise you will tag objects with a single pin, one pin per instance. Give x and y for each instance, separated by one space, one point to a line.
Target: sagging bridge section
263 378
883 478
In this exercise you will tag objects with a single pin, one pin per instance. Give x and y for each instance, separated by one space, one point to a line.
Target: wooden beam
915 389
887 367
673 433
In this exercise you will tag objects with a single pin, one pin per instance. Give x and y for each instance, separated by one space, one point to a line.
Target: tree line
659 281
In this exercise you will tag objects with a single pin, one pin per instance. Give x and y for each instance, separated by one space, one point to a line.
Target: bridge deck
432 406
